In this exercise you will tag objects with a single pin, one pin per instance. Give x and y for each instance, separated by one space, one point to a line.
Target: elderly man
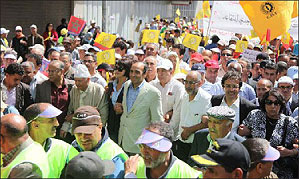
226 55
40 50
22 157
152 50
226 159
42 124
211 75
69 71
262 87
91 135
194 105
157 159
152 71
141 105
262 156
90 61
34 37
172 92
17 93
220 120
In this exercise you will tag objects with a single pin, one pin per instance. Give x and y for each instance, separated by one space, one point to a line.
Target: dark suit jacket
201 144
245 105
294 105
23 97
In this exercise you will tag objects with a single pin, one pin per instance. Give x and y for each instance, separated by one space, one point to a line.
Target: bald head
34 110
235 67
263 86
207 53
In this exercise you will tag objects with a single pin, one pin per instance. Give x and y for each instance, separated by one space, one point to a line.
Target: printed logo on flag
192 40
76 26
151 35
268 9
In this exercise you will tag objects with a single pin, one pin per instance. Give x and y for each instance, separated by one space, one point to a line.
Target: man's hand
284 152
118 108
168 116
63 133
69 118
243 130
131 164
185 133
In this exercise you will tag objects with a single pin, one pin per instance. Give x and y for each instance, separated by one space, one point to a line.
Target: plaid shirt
10 155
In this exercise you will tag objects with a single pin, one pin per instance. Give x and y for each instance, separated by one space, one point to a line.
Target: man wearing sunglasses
226 55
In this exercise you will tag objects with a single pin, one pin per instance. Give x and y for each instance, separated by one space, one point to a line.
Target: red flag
76 25
268 35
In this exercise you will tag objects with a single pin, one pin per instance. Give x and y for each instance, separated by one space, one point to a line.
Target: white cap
9 55
165 64
217 50
95 48
171 53
38 46
250 45
33 26
232 46
269 52
139 52
147 25
82 71
61 48
84 47
118 56
93 22
292 72
18 28
130 52
234 38
285 79
222 43
4 31
179 76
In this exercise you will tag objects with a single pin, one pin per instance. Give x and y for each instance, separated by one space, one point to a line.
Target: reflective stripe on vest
109 149
34 153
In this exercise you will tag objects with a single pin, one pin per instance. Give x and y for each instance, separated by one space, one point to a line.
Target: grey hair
164 129
66 54
28 64
60 63
249 65
155 45
151 57
11 51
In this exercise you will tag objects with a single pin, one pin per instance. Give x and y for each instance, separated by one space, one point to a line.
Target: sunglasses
270 102
120 69
226 54
190 82
285 87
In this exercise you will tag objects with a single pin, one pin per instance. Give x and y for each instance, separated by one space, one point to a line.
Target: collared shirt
132 95
37 79
10 155
97 78
208 85
288 107
192 111
11 95
115 93
236 107
221 72
209 139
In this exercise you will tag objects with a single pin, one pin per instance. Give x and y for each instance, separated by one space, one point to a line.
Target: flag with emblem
273 15
206 9
241 46
178 12
176 20
76 26
106 56
285 38
199 14
150 36
157 17
192 41
104 41
253 34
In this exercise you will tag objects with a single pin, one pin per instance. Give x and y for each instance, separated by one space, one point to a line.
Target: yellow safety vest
109 149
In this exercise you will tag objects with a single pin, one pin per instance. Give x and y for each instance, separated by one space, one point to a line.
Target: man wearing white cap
34 37
292 72
140 54
19 43
285 87
84 93
4 34
172 92
9 58
42 123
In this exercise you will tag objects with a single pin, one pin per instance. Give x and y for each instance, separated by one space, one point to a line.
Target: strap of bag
284 131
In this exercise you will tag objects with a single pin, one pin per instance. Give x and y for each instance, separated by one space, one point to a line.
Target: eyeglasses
226 54
53 71
120 69
88 61
143 146
285 87
18 31
231 86
190 82
270 102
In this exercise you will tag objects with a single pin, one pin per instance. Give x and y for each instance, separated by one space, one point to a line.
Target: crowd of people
163 110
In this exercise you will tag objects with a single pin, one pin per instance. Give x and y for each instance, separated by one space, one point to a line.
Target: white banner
250 55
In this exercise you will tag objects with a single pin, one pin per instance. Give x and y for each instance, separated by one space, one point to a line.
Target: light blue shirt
132 95
115 93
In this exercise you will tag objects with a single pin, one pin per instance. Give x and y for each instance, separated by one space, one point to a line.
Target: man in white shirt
211 75
171 91
195 103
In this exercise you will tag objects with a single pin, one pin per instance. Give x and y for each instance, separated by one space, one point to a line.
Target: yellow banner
105 39
241 46
178 12
206 9
199 14
107 56
295 10
285 38
150 36
191 41
176 20
157 17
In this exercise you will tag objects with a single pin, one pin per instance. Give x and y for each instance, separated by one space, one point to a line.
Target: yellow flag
150 36
191 41
176 20
157 17
241 46
205 39
295 10
273 15
206 9
199 14
105 39
178 12
107 56
253 34
177 68
285 38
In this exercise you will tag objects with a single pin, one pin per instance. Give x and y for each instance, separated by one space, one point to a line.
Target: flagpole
208 28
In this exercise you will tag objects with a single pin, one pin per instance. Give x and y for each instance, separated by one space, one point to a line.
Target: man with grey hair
151 74
194 105
29 74
152 49
66 57
40 50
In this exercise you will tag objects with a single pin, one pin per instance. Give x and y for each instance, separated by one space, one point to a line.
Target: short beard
158 162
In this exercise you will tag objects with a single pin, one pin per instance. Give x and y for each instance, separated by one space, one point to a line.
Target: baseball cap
165 64
104 66
147 25
250 45
234 38
292 72
222 43
85 120
49 112
54 49
38 46
4 31
33 26
11 56
67 40
130 52
179 76
84 47
197 57
221 112
18 28
154 141
88 164
118 56
139 52
232 46
171 53
271 155
212 64
81 71
285 79
198 67
93 22
216 50
227 153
